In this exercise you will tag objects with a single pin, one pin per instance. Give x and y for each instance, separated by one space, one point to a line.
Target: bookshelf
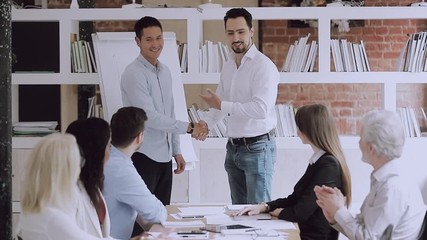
195 18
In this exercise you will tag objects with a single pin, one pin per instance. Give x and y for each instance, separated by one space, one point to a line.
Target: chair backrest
423 232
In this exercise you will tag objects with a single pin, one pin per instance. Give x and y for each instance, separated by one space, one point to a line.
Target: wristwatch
267 207
191 129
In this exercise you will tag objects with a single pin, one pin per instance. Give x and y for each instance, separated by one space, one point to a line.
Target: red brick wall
383 39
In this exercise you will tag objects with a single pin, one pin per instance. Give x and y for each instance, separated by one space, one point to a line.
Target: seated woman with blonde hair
49 191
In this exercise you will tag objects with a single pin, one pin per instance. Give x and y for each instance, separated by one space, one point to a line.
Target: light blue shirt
127 196
150 88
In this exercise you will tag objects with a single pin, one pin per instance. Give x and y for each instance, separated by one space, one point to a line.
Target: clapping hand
330 200
200 131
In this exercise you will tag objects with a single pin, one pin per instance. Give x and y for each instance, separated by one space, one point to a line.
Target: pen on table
262 219
191 217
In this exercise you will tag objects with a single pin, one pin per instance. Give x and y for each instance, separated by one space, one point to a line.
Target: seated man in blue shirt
126 194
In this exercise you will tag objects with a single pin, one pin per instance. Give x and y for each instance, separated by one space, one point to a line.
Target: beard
237 49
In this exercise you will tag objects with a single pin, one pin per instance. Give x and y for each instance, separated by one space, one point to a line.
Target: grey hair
384 130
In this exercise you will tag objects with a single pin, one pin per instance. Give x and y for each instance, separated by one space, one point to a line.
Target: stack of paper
34 128
182 224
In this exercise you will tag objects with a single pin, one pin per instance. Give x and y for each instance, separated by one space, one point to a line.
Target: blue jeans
250 171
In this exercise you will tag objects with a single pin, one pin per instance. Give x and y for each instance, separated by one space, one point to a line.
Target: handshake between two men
200 130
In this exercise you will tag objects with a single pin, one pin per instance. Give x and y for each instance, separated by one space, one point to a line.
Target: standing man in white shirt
393 203
246 96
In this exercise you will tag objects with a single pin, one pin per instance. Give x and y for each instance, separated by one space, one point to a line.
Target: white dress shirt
51 224
248 95
127 196
316 156
393 201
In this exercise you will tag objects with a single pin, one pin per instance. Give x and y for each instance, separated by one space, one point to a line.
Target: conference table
170 232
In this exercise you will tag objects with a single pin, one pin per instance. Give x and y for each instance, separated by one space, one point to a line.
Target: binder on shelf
365 56
89 47
183 56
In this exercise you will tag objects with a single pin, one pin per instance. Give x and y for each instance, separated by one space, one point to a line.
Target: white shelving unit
69 18
68 22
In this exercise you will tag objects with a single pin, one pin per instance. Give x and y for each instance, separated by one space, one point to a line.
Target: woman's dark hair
92 135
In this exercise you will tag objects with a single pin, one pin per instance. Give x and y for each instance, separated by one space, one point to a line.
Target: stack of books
301 56
286 126
219 130
410 122
82 58
34 128
212 56
94 108
349 57
414 54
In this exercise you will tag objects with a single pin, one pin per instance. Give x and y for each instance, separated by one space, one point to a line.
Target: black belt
248 140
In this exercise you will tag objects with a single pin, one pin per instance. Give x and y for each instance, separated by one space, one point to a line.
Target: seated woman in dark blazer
327 166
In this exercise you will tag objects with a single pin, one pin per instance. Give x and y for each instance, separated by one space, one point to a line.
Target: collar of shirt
116 151
148 65
316 156
250 54
386 171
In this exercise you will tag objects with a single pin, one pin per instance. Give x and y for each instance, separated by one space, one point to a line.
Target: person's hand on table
251 210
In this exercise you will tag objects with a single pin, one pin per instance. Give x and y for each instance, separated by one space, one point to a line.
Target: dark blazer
301 206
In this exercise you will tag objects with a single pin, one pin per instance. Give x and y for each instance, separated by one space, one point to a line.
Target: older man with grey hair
394 205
